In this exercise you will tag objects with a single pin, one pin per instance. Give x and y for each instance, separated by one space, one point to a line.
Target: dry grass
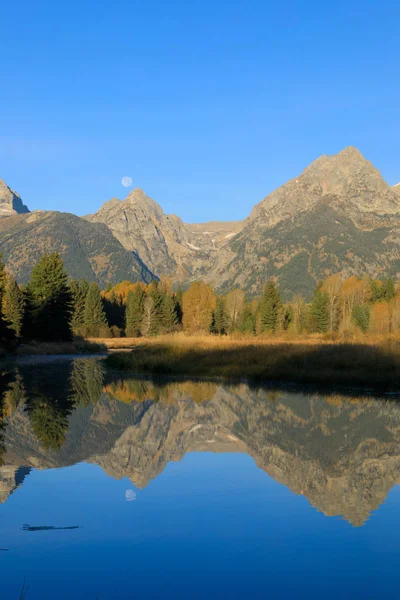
368 362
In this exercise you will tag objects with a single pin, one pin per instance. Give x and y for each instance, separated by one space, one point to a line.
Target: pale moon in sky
126 181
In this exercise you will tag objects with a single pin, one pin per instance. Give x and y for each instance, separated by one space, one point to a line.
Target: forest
52 307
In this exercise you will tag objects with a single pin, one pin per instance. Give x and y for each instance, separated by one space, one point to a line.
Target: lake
113 487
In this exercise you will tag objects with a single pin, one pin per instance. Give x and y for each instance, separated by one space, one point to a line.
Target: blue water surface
210 526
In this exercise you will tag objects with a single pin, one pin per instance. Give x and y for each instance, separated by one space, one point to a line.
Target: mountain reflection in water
341 453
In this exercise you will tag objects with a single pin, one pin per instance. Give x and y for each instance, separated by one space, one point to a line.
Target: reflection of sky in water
212 525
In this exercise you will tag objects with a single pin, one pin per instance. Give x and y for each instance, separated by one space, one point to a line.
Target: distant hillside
89 250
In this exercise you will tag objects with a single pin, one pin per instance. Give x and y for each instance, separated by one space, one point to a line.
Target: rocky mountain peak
348 181
10 201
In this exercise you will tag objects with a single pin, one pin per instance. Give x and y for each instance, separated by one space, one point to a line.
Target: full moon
126 181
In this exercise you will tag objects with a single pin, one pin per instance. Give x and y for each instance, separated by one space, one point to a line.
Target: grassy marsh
374 362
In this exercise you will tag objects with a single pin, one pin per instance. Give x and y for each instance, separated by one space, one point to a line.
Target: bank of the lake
77 347
374 363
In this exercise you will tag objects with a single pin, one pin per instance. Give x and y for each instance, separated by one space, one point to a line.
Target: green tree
134 312
388 289
14 307
377 291
157 294
247 323
79 290
50 300
220 322
361 316
320 311
169 318
95 321
270 307
178 297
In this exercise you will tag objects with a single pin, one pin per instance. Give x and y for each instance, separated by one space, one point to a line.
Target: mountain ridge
324 221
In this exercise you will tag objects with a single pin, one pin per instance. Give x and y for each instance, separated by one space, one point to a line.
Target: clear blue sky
207 105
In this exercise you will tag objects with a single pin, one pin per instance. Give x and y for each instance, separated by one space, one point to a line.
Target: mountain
10 201
342 454
338 216
166 245
89 250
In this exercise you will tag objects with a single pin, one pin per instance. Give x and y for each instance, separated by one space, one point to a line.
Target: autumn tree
234 306
149 325
198 306
332 287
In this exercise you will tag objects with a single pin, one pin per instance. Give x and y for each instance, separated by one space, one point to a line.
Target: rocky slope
89 250
342 454
167 245
10 201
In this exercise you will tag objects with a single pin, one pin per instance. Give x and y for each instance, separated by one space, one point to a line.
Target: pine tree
361 316
50 300
169 318
270 306
14 307
95 321
320 311
157 294
220 323
79 290
247 323
178 297
388 289
4 330
134 312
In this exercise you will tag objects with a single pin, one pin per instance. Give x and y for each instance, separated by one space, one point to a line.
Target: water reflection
341 453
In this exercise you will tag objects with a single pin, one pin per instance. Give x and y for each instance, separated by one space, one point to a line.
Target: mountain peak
351 152
10 201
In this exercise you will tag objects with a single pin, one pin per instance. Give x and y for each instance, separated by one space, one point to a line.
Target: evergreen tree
157 294
14 307
247 322
287 317
79 290
388 289
4 330
377 291
134 312
95 321
178 297
361 316
220 323
320 311
169 318
270 307
49 300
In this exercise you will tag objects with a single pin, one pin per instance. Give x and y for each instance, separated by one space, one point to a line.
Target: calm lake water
115 488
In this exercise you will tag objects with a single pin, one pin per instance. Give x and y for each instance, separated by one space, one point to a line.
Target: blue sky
208 106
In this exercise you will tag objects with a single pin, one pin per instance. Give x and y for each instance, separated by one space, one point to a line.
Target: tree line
54 307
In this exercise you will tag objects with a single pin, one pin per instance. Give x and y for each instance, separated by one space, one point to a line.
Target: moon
126 181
